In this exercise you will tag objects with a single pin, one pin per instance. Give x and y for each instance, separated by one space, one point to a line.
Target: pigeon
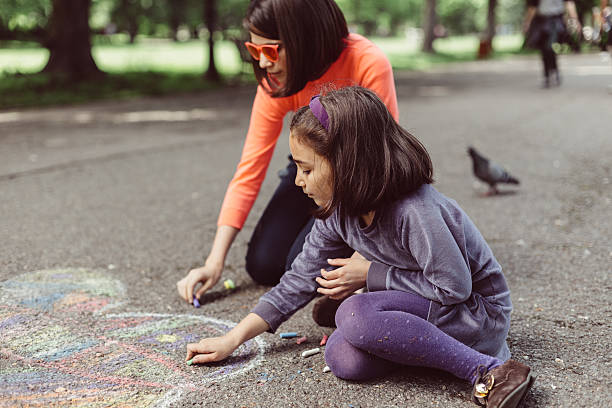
489 172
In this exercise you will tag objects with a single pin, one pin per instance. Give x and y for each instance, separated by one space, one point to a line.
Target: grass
158 67
148 55
45 90
166 56
406 54
150 67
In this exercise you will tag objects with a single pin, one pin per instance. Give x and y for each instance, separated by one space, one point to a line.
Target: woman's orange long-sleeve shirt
360 63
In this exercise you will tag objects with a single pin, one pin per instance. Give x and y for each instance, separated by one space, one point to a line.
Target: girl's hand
211 349
208 275
350 276
218 348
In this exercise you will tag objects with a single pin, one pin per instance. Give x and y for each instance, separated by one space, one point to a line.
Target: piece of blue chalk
196 302
288 335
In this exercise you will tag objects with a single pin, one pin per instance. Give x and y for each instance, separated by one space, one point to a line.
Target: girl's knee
340 360
349 309
346 371
353 317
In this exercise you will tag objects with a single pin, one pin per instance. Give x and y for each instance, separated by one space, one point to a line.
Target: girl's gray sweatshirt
423 243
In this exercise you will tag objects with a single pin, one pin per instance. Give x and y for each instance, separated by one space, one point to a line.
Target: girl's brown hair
312 32
373 159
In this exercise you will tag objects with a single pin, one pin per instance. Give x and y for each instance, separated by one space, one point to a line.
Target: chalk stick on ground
326 369
196 302
229 284
288 335
323 340
301 340
311 352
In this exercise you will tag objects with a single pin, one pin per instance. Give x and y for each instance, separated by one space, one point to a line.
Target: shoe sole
517 397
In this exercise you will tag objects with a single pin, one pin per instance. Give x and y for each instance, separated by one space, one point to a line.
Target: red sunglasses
270 51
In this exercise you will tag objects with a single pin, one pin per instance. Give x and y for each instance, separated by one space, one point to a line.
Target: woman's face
277 71
314 174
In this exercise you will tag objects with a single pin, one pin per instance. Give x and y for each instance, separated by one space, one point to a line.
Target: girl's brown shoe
503 387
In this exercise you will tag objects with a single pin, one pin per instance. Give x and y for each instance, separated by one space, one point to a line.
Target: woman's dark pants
280 232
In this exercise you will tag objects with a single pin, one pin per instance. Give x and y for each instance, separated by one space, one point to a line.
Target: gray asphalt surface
132 190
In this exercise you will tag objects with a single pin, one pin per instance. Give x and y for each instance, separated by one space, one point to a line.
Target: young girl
436 294
296 45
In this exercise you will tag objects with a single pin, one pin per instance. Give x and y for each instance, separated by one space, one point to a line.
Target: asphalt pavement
104 206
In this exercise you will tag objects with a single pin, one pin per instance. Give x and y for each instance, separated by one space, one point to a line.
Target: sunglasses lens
253 51
270 52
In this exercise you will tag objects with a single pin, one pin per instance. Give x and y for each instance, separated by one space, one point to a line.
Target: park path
127 193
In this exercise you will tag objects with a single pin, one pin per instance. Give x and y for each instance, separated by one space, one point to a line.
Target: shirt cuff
377 277
232 217
270 314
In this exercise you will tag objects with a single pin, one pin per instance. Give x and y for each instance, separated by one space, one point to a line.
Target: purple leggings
377 330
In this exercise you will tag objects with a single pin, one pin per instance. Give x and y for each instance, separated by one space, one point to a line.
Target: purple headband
319 111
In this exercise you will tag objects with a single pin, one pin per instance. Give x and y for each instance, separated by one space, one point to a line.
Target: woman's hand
208 275
210 349
341 282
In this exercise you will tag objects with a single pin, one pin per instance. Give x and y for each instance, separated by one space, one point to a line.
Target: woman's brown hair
373 159
312 32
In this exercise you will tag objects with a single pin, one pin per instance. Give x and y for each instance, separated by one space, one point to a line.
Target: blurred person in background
544 26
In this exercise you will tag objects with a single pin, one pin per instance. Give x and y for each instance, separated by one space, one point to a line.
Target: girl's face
277 71
314 174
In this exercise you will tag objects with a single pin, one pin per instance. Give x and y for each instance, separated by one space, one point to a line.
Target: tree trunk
486 41
69 41
429 22
490 33
132 32
210 17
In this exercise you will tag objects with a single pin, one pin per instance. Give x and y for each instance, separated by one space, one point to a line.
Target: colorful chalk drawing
60 346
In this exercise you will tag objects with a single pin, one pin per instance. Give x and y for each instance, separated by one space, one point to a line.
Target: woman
298 47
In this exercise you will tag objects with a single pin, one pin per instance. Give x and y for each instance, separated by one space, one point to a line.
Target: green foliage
451 49
146 17
382 17
24 15
510 13
231 13
157 18
390 17
157 67
462 16
115 56
100 13
161 17
42 89
137 69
